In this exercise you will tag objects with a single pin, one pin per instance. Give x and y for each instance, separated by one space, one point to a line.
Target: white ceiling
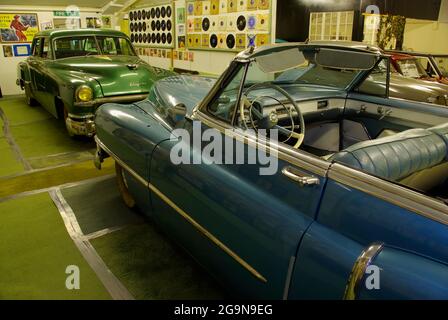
57 3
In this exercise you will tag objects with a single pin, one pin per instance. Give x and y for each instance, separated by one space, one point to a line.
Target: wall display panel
229 25
153 26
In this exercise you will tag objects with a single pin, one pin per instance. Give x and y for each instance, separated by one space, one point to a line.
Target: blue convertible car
353 202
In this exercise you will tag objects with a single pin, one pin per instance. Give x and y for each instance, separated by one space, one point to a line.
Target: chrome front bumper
115 99
81 125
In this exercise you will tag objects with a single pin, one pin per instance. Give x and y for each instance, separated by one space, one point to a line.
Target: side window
427 66
46 51
37 45
223 107
376 83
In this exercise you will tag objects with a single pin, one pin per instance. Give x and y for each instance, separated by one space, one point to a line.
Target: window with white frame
371 26
331 26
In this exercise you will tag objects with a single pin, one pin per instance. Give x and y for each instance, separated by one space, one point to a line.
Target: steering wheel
271 121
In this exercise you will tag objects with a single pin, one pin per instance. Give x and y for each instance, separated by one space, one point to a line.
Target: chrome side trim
184 215
392 193
288 154
359 269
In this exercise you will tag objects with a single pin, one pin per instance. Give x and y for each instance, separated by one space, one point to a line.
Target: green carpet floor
98 206
42 139
151 267
53 177
35 251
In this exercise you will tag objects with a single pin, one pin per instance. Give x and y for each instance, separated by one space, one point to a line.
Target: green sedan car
72 72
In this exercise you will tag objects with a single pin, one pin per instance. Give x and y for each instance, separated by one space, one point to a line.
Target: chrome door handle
303 181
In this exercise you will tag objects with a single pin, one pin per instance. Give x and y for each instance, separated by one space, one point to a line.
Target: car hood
117 75
186 89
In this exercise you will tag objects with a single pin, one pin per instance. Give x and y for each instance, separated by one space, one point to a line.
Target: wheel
123 187
29 99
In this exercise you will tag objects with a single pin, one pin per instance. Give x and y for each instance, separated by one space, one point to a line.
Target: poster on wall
228 25
153 26
106 22
18 27
93 23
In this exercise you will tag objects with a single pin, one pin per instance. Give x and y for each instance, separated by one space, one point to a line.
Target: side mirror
177 113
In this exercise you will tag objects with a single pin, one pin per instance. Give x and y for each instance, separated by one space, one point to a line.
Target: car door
33 63
366 221
38 74
242 226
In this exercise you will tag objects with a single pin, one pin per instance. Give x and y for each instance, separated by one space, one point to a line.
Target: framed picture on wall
7 52
18 27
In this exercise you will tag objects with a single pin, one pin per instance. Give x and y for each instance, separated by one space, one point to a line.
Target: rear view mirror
343 59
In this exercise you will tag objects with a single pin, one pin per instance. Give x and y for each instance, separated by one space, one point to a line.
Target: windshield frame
99 49
441 72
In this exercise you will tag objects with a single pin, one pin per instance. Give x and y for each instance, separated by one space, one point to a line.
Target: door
243 226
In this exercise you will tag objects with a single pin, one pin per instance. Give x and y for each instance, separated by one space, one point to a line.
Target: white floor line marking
116 289
100 233
62 186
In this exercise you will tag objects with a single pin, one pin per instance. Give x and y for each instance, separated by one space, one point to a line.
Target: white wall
8 66
426 36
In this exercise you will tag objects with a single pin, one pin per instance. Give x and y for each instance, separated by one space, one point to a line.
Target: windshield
411 68
307 67
88 45
442 62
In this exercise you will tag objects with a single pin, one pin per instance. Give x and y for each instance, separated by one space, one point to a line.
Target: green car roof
79 32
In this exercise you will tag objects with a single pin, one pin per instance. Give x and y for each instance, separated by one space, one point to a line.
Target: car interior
410 153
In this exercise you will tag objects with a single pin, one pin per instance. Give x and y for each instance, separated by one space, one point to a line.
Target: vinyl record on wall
231 23
230 41
169 38
213 40
205 24
214 7
205 8
190 8
163 12
241 23
139 15
169 11
197 24
145 38
158 13
198 8
222 41
158 25
153 38
241 41
158 38
153 13
131 16
222 23
131 27
144 26
263 5
222 6
139 27
149 38
132 37
190 25
251 40
143 14
242 5
163 38
214 23
140 38
205 40
163 25
231 6
169 25
153 25
252 22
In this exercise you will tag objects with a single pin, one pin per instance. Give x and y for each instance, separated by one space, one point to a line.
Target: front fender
67 82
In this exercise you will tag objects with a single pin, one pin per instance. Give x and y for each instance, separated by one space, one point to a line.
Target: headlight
84 94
